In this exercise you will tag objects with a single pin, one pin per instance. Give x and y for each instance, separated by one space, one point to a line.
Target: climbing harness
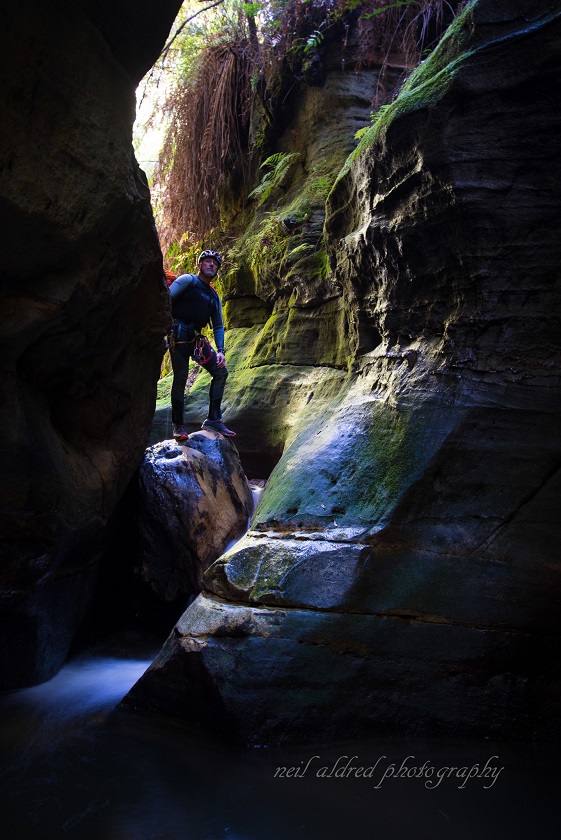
202 349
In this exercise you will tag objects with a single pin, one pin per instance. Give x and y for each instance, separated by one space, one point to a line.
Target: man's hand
220 359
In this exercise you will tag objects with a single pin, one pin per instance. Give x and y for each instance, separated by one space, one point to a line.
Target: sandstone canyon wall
84 307
402 567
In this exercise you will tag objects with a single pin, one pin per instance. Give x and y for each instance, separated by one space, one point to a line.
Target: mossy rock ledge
401 571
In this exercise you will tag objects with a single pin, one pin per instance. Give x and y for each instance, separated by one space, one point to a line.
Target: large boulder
193 501
401 570
84 307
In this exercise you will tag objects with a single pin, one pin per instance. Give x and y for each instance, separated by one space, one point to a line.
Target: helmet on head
213 255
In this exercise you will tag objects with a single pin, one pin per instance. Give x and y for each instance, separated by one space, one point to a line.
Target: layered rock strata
402 568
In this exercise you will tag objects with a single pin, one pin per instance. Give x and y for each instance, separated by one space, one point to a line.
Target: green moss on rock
427 83
349 465
303 337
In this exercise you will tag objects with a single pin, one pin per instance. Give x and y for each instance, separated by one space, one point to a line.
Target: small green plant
279 166
302 250
251 9
267 247
320 187
314 40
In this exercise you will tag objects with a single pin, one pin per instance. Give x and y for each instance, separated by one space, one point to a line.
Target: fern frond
279 165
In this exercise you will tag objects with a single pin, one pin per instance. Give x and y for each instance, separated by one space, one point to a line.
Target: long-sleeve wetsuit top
194 302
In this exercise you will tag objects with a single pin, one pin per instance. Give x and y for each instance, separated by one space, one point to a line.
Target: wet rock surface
311 675
193 500
401 569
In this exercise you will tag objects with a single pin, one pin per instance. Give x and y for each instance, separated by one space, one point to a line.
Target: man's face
208 267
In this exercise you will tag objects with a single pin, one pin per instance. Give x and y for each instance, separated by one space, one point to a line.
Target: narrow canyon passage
387 213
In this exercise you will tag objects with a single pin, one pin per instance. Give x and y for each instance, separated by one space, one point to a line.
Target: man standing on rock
194 304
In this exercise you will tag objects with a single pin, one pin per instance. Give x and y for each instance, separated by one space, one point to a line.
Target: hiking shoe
180 433
218 426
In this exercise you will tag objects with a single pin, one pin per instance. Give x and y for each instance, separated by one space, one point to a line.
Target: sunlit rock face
84 307
193 501
402 567
287 320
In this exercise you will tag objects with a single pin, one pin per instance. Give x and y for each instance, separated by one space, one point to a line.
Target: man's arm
180 284
218 325
218 329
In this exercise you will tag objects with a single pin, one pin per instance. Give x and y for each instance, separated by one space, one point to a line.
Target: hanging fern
207 140
230 72
279 165
314 40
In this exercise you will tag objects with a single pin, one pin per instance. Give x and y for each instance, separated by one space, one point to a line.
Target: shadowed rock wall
402 568
83 304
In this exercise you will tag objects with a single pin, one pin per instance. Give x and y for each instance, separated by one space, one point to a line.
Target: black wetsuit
194 304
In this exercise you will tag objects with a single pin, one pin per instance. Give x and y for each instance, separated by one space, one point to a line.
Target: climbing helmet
210 255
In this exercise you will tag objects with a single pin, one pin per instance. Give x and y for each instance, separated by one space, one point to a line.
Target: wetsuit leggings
180 364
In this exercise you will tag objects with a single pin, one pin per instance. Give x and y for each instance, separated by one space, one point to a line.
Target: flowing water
72 767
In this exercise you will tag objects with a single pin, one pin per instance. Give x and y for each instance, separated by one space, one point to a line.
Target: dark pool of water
72 767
